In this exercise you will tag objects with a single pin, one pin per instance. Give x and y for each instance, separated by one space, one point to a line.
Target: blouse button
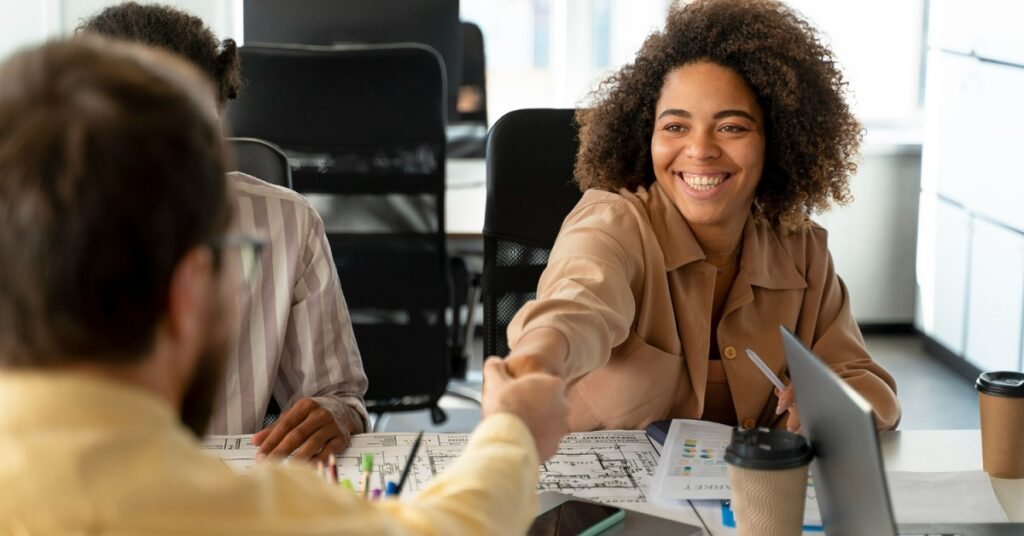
749 423
729 352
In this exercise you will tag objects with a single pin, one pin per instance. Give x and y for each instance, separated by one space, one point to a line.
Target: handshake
536 397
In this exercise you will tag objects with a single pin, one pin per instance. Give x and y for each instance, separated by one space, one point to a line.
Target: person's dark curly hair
812 138
175 30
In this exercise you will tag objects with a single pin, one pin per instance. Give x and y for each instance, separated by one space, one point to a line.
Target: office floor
933 397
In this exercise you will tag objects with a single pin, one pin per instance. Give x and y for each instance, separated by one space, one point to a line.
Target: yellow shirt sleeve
492 489
119 463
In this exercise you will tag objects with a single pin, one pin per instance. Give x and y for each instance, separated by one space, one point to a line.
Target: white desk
948 450
931 450
465 197
915 450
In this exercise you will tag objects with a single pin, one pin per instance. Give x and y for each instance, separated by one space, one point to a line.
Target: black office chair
262 160
467 133
530 159
474 72
434 23
364 129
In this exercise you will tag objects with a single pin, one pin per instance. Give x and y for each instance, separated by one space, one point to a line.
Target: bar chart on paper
693 462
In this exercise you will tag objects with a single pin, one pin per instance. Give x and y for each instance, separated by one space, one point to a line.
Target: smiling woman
701 162
707 149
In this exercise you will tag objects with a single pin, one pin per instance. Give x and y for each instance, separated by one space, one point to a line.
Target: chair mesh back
363 128
516 263
530 160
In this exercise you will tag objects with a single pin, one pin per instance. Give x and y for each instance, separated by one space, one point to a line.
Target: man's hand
306 431
537 398
787 401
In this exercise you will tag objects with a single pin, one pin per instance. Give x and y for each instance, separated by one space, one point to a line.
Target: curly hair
812 138
175 30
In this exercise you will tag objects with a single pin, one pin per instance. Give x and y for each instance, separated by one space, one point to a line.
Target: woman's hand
787 402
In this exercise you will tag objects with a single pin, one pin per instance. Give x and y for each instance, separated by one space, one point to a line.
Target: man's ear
191 288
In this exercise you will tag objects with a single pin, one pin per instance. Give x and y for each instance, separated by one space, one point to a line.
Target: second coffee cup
768 475
1001 400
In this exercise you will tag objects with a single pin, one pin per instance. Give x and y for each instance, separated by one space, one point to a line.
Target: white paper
955 497
693 462
614 466
932 497
235 450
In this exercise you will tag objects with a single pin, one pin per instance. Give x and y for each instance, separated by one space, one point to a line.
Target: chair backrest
530 159
474 72
364 129
262 160
434 23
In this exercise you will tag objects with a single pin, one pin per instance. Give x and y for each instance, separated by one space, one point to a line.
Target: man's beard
197 403
201 390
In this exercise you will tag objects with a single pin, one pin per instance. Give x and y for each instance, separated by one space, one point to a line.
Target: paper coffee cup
768 475
1001 401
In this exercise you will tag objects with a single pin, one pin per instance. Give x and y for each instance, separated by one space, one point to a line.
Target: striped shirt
295 338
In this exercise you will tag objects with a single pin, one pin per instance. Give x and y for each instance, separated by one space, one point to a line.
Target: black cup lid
1002 383
765 448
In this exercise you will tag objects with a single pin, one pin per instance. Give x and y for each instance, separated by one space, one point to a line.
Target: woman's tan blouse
627 286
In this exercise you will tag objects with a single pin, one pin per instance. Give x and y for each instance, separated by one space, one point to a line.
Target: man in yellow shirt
116 302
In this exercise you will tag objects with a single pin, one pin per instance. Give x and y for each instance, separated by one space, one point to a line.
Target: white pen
765 370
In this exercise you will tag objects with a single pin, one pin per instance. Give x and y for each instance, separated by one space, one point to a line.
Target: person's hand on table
787 401
537 398
306 431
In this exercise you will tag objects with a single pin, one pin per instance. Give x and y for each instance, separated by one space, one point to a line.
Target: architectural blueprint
236 450
610 466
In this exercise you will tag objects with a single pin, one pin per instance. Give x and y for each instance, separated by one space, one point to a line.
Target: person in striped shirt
295 343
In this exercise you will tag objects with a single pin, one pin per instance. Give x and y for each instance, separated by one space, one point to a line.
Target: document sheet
613 467
693 462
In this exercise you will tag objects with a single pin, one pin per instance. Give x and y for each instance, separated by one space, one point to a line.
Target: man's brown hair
111 169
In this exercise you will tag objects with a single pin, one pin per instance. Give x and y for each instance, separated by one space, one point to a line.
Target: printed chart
693 462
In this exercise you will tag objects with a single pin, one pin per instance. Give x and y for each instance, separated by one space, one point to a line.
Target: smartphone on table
576 518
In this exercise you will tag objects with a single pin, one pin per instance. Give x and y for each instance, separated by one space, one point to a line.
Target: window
551 53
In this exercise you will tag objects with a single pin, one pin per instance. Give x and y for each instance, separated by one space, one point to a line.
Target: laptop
849 475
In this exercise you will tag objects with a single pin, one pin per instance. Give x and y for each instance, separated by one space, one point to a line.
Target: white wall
24 22
873 240
28 22
222 16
